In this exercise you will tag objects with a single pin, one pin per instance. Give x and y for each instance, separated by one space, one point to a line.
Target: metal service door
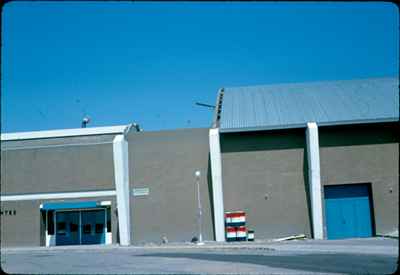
67 227
348 211
93 226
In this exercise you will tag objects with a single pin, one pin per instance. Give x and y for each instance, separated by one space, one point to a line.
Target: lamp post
197 175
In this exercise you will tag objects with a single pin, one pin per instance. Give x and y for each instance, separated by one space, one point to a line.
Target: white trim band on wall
121 172
314 179
65 195
217 190
6 148
64 133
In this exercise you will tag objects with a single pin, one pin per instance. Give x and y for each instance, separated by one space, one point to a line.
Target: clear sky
124 62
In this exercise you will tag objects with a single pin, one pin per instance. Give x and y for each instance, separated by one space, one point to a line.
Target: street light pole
197 175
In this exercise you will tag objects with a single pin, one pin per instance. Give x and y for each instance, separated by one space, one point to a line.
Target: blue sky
124 62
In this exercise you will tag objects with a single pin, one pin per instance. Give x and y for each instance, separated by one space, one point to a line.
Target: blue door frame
348 211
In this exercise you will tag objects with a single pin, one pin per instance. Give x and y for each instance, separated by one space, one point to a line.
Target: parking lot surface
360 256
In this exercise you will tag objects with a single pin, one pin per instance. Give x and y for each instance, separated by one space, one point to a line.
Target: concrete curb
261 245
258 245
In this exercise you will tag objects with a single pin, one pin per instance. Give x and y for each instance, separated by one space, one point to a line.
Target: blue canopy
69 205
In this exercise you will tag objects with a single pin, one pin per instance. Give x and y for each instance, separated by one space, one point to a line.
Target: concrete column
121 173
314 179
218 197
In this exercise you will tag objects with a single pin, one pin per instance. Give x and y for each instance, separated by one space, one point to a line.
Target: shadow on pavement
335 262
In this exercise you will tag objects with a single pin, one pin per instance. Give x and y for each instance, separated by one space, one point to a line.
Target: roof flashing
304 125
66 133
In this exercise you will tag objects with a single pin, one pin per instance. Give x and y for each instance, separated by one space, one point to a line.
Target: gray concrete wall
36 166
274 163
365 154
24 228
263 175
165 162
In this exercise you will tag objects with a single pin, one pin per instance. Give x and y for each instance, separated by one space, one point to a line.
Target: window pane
99 228
50 222
73 227
108 213
61 228
87 228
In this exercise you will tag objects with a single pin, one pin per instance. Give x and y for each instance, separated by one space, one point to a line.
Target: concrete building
318 158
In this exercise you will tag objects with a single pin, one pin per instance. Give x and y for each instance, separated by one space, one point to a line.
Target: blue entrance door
93 226
347 211
67 228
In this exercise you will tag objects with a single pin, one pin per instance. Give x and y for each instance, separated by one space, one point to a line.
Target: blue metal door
93 226
67 228
347 211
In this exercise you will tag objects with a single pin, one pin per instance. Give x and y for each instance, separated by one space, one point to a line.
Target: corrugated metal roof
281 106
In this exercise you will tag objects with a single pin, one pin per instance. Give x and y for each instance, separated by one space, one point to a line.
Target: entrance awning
69 205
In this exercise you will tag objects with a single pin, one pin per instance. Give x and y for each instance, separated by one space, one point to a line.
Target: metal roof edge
358 121
304 125
262 128
323 81
218 108
120 129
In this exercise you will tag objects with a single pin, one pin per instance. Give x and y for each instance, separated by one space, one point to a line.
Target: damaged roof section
282 106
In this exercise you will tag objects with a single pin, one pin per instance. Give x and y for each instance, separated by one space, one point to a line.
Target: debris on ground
164 239
294 237
194 239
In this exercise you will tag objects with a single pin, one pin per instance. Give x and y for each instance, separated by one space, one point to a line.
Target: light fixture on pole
197 175
85 121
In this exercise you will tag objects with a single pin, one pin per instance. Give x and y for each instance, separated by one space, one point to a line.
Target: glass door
67 228
93 226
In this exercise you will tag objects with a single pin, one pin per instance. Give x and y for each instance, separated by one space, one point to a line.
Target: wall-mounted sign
8 212
143 191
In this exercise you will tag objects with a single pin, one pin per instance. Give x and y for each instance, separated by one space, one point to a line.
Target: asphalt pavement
353 256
